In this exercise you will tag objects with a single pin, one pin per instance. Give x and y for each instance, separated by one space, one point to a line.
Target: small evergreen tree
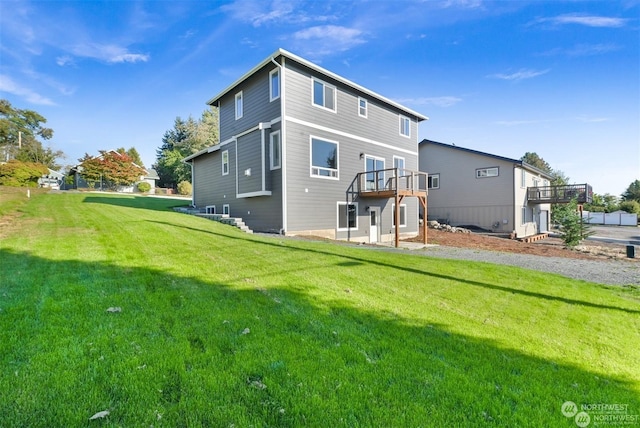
573 228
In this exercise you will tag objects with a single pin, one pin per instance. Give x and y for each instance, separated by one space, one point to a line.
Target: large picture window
324 158
324 95
347 216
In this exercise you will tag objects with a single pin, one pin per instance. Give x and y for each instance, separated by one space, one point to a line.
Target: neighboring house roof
152 174
502 158
289 55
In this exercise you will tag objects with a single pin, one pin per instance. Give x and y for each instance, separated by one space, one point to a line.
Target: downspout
283 151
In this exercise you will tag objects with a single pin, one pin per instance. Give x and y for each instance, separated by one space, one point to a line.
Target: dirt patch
550 247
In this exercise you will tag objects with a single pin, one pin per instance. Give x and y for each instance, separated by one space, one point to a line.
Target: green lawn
219 328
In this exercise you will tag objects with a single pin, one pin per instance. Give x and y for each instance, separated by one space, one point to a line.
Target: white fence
618 218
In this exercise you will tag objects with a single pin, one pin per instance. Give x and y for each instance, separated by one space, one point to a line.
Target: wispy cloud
259 13
521 74
112 54
8 85
587 20
326 39
445 101
520 122
583 50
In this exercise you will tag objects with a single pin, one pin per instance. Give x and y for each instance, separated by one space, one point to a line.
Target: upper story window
362 107
324 95
225 162
324 158
398 163
433 181
274 84
405 126
239 105
487 172
275 150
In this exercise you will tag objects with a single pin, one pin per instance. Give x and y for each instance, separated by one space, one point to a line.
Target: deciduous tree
111 169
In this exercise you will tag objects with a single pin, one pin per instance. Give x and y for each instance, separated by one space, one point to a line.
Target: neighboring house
76 180
472 188
151 177
295 143
53 179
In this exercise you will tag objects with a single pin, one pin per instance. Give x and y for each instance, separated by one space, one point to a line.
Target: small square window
347 216
324 95
433 181
225 209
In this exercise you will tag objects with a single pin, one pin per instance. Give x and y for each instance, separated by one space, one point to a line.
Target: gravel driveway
614 272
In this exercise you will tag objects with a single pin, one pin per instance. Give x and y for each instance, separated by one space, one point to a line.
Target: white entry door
374 217
544 221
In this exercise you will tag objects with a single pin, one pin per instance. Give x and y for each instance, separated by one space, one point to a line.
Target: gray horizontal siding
250 159
312 201
257 107
381 124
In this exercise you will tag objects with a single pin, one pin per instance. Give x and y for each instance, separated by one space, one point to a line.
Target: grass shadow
199 353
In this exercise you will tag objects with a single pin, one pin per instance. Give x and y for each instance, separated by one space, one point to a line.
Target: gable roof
502 158
285 54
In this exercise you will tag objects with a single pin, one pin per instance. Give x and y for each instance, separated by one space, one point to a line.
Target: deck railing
582 193
391 180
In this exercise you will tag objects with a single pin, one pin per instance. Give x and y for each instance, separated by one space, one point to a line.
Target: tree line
24 159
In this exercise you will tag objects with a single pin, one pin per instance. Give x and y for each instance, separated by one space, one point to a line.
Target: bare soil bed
550 247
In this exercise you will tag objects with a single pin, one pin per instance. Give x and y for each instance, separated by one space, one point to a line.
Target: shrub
184 188
632 207
21 174
144 187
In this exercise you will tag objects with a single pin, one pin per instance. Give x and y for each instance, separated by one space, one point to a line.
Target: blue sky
561 79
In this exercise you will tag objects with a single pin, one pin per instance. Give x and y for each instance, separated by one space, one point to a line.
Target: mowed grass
219 328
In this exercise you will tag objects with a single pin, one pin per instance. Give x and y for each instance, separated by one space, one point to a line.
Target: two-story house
305 151
472 188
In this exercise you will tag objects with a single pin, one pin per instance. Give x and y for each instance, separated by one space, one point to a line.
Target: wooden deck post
397 219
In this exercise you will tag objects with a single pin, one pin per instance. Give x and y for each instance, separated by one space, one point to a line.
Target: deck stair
225 219
535 238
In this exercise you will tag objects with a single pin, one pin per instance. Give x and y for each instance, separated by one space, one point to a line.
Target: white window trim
404 162
393 222
226 209
274 71
210 209
431 176
335 95
225 152
271 136
523 213
523 179
343 229
311 166
487 169
401 123
366 107
239 113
